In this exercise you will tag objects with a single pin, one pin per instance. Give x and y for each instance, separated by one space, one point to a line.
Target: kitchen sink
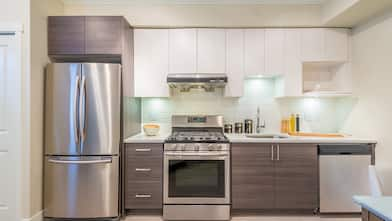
265 135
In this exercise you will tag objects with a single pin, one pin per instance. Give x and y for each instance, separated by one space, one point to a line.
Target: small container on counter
248 126
285 126
228 129
238 128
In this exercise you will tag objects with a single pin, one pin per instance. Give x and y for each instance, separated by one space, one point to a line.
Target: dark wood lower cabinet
296 176
143 176
272 176
252 176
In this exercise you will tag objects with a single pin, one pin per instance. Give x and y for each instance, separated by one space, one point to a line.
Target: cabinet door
104 34
235 62
274 52
254 51
211 51
292 63
312 44
151 62
296 176
66 35
336 44
252 176
182 50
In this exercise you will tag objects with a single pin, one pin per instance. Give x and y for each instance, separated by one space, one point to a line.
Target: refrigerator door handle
82 110
61 161
75 109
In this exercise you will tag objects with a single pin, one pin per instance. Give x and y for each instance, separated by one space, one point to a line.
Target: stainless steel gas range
197 170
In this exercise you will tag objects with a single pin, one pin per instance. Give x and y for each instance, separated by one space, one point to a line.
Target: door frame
22 104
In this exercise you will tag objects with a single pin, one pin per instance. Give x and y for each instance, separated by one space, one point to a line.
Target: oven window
197 178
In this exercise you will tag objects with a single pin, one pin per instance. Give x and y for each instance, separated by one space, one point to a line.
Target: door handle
75 109
196 154
143 150
82 110
272 152
278 152
143 196
59 161
143 169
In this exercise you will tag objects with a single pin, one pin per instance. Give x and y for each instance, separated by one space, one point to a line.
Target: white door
10 127
235 62
211 50
151 62
182 51
254 51
274 52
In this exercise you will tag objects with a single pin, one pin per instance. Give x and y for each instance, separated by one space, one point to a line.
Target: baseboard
37 217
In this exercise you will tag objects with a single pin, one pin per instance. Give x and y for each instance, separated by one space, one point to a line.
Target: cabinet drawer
144 150
143 195
139 169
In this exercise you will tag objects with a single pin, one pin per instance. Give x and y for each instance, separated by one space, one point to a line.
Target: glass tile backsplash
318 114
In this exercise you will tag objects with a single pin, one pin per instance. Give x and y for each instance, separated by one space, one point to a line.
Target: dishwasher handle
344 149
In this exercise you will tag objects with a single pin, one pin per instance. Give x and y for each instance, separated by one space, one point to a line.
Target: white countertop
241 138
143 138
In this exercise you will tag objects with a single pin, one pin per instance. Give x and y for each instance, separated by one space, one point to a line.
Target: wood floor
257 218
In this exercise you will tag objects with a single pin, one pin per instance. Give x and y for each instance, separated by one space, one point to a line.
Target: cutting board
331 135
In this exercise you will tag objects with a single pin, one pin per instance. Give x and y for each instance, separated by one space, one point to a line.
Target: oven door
196 177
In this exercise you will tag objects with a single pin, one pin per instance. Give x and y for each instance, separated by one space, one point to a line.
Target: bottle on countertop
297 123
292 124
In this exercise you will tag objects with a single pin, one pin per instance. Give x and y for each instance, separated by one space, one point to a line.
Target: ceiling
200 2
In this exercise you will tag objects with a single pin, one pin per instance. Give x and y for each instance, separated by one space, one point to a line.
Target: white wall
372 71
270 15
39 11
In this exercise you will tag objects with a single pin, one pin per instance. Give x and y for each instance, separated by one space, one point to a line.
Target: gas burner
197 136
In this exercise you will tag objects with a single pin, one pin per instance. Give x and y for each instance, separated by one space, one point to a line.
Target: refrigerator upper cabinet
99 108
81 187
61 109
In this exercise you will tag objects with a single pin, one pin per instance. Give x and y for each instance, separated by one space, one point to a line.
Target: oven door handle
197 154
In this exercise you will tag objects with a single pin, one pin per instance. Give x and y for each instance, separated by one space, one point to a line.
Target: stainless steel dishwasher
343 174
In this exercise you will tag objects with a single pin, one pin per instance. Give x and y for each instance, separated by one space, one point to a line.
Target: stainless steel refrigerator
82 140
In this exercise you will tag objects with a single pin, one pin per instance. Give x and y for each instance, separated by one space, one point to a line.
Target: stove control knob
197 147
211 147
174 147
181 147
219 147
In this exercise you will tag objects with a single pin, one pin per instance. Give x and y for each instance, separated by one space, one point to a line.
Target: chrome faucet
259 127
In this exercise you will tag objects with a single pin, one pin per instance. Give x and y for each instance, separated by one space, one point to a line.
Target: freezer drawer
81 187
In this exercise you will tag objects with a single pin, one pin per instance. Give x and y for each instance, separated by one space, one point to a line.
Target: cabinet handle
143 150
143 169
272 152
278 152
143 196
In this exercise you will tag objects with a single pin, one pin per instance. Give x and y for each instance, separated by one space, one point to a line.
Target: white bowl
151 129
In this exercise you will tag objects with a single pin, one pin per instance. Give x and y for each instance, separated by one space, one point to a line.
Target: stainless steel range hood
208 82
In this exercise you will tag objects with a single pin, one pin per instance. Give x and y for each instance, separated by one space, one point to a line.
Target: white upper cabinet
274 52
292 78
336 44
182 50
324 44
211 50
151 62
234 62
312 44
254 51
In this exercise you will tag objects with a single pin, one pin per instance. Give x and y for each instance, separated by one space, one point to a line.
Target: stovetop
197 137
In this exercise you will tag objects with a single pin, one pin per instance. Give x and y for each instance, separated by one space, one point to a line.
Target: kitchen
202 110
